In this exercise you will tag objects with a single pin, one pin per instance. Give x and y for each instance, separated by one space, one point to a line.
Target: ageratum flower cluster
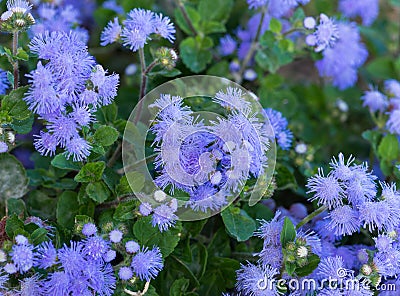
342 50
208 162
80 268
387 103
138 28
62 18
350 195
65 90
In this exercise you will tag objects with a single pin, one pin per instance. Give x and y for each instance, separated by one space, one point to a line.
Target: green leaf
107 114
285 178
238 223
288 233
39 236
313 262
194 17
23 126
22 54
98 191
67 208
126 210
179 287
91 172
106 135
381 68
14 226
15 105
150 236
61 162
13 179
209 27
40 205
196 53
215 10
16 206
290 268
388 149
275 26
373 137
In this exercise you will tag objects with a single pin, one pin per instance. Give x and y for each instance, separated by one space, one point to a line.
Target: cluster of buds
166 57
17 17
297 252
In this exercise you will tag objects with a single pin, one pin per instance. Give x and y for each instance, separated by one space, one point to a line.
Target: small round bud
302 252
11 137
3 256
132 247
309 23
301 148
366 269
160 196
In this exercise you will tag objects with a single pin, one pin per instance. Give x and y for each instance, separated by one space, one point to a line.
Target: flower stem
15 62
311 216
250 53
143 69
187 18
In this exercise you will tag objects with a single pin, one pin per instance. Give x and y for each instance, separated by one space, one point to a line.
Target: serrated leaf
288 233
16 206
23 126
14 225
150 236
91 172
14 104
13 179
238 223
106 135
98 191
40 205
61 162
126 210
290 268
195 53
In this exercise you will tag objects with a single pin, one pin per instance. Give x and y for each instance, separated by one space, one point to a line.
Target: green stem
143 84
311 216
253 47
187 18
15 63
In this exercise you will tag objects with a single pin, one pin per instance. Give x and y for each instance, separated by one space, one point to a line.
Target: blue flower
368 10
392 86
125 273
343 220
100 278
393 123
3 147
331 267
383 243
252 278
45 144
227 45
23 257
381 215
164 217
115 236
325 35
341 61
327 190
270 231
145 209
375 100
111 32
146 264
71 258
95 247
279 125
79 148
164 27
3 279
132 247
46 255
254 4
